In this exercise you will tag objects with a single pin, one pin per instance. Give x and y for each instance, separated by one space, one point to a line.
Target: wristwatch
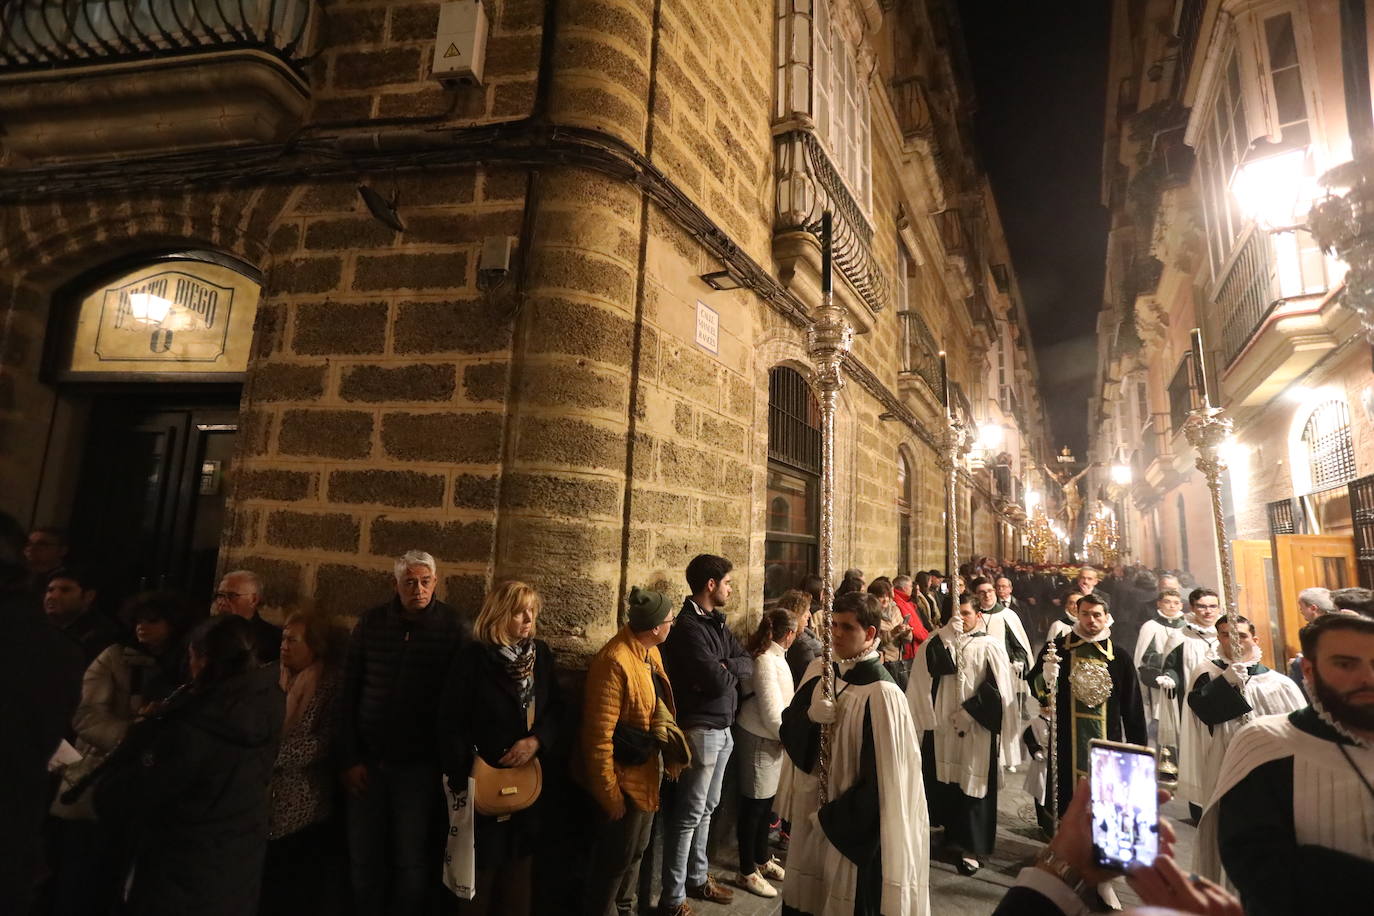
1062 870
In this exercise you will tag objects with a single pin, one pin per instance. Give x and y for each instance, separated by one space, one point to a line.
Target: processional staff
1207 429
828 340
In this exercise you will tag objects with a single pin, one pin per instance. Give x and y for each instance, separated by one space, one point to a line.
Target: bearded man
1292 817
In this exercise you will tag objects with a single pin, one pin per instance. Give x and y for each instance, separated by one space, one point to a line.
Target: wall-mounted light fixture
723 279
384 210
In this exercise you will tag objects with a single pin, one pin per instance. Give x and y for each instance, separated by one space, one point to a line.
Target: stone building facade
1222 117
585 419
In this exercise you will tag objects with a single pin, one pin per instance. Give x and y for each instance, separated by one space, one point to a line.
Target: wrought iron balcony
47 34
107 77
920 352
1246 294
809 185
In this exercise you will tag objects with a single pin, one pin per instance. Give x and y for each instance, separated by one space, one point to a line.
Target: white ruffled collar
847 664
1105 634
1329 719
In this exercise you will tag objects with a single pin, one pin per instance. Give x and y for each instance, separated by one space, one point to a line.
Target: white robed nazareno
1198 648
963 759
998 624
820 880
1331 806
1268 693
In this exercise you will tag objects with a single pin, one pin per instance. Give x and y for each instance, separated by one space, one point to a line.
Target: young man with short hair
1197 647
69 602
627 692
963 696
1006 627
1228 692
864 851
705 663
1158 637
1290 818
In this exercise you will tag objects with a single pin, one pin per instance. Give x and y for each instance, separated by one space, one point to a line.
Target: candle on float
827 278
1200 361
944 384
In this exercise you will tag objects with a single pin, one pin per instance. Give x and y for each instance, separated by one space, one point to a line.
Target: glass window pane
1288 96
1283 47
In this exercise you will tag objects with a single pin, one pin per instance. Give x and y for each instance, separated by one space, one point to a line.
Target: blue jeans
391 838
688 824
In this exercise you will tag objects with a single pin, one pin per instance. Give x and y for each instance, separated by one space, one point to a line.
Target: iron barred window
794 420
1329 449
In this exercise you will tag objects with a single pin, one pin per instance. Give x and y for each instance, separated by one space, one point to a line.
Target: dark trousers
751 833
391 838
502 891
302 871
614 872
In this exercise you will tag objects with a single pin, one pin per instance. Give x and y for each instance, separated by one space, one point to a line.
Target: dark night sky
1040 77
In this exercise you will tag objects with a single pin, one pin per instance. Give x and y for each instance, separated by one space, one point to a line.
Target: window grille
1181 394
1329 448
1362 514
794 420
1221 145
1246 295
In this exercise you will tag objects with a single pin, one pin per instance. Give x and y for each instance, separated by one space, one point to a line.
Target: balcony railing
921 354
1246 294
52 34
808 185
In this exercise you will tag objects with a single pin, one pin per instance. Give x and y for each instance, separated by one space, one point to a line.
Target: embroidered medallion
1090 681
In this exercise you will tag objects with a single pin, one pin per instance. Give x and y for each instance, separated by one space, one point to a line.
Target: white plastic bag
460 855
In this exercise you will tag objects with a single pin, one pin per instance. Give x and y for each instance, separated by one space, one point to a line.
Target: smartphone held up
1125 805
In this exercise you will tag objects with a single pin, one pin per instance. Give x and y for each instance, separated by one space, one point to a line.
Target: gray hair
1319 598
902 582
255 581
414 558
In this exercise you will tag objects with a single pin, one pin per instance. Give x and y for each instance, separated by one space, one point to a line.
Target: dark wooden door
150 505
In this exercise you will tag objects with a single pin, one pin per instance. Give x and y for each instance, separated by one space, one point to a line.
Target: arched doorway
149 356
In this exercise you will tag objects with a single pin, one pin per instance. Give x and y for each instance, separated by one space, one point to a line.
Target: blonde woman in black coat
485 711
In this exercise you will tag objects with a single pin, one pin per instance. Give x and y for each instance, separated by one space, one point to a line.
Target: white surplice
1198 648
1013 751
821 881
963 759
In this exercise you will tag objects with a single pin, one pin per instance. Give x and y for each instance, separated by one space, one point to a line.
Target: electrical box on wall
460 47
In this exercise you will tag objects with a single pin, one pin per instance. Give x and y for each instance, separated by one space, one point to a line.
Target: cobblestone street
951 894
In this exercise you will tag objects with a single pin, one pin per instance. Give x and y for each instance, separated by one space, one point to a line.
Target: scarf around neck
518 660
299 688
1172 623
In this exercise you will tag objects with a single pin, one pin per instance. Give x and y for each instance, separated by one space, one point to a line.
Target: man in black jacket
705 664
398 658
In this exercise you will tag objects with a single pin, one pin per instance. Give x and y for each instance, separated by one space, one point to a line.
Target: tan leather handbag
502 791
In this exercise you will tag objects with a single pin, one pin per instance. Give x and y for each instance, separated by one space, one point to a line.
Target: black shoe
967 870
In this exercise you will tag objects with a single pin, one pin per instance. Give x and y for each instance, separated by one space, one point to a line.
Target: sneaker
754 884
682 909
782 840
711 890
772 870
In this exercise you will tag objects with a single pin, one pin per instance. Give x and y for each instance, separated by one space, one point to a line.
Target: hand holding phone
1124 806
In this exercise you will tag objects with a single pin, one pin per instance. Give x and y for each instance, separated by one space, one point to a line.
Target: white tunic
1198 649
962 759
1013 752
1268 693
1331 806
820 879
1155 636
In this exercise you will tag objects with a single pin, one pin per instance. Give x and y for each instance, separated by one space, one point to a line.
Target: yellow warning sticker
452 51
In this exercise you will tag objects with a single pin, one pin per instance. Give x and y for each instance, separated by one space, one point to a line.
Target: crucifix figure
1073 499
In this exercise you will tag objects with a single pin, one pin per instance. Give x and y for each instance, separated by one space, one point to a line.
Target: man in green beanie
628 702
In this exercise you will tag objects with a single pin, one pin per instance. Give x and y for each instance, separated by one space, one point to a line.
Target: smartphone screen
1125 805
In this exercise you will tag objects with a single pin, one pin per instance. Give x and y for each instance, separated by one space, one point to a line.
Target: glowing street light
1121 475
991 436
1276 191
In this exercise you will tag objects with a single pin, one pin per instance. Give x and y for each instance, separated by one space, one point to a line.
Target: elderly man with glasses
240 593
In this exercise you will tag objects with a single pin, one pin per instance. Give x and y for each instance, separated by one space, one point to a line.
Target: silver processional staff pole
828 340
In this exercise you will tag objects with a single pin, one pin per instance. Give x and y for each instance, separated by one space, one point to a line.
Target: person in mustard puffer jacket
628 706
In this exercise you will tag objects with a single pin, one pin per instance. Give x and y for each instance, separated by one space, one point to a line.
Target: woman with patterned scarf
502 703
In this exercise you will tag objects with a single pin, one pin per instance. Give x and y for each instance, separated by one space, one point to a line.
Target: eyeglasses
426 582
